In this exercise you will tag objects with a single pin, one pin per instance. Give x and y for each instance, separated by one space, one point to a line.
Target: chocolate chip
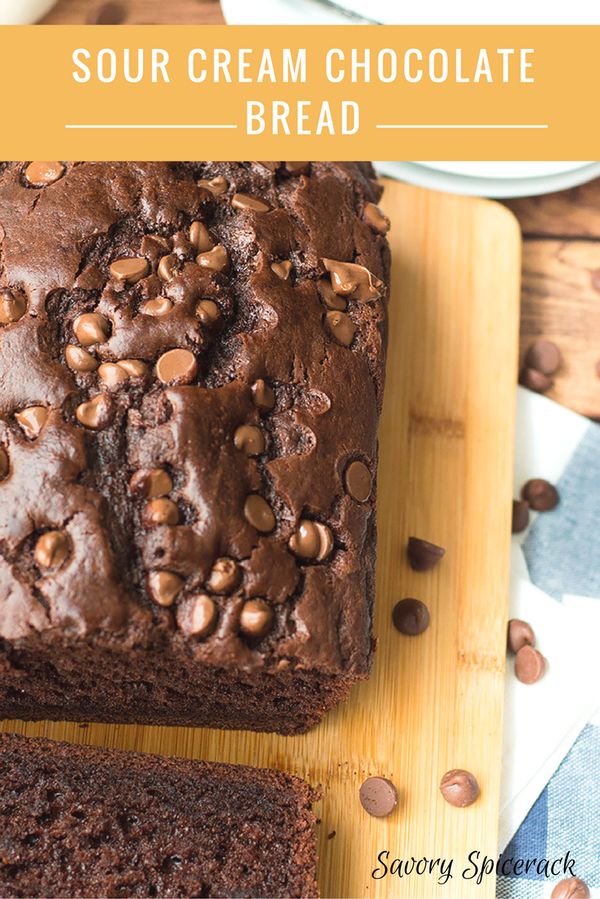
197 616
200 238
129 269
157 308
520 515
216 259
135 368
107 14
259 514
375 218
32 420
330 297
164 587
91 328
410 617
225 576
4 464
341 327
263 396
283 269
246 203
96 413
13 306
249 439
358 481
167 267
177 367
150 483
297 168
216 185
52 549
256 618
422 554
208 312
160 511
519 634
540 494
544 356
40 174
351 280
311 540
79 359
535 380
570 888
459 788
530 665
112 374
378 796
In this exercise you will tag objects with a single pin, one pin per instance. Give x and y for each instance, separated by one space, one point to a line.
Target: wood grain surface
140 12
434 702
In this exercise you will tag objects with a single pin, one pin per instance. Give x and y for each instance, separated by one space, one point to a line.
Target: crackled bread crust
190 383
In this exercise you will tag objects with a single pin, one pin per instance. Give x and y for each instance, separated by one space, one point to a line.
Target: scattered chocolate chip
256 618
216 259
157 307
520 515
259 514
570 888
4 464
91 328
160 511
544 356
216 185
150 483
263 396
177 367
540 494
422 554
378 796
519 634
249 439
167 267
330 297
341 327
331 834
225 576
197 616
79 359
297 168
351 280
135 368
283 269
96 413
129 269
535 380
459 788
208 312
13 306
107 14
375 218
530 665
32 420
40 174
164 587
358 481
311 540
410 617
112 374
246 203
52 549
200 238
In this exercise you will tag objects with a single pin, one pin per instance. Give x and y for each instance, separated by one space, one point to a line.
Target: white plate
23 12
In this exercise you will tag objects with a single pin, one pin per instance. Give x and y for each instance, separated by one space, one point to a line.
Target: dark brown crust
58 245
83 821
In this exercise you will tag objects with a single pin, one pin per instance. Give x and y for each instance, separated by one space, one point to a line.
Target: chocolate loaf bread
191 372
81 821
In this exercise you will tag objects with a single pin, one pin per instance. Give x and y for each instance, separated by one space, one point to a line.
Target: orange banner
221 92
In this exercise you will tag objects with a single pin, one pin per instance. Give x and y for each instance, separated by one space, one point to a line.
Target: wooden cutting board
434 702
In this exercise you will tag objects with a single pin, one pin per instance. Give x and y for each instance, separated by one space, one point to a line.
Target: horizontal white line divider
155 127
449 127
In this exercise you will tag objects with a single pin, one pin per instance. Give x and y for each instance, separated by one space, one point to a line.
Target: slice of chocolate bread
81 821
191 373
